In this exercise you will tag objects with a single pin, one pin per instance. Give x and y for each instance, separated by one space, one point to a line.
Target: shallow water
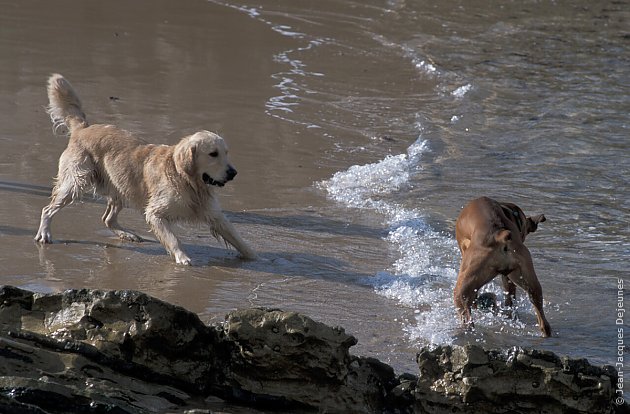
359 130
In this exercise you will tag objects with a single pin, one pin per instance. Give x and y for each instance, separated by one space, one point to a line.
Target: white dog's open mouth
211 181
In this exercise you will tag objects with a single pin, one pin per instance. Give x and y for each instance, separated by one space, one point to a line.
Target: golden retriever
167 183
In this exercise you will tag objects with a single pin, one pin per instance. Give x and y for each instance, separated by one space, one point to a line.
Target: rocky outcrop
511 381
97 351
289 358
125 352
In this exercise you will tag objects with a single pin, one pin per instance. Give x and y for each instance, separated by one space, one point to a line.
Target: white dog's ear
184 157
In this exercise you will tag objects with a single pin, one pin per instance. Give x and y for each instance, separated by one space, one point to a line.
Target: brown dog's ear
184 157
532 222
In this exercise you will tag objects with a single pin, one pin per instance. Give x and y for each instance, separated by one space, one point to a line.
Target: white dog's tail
64 105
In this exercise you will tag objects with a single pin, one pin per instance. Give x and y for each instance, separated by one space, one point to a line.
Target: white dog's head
204 155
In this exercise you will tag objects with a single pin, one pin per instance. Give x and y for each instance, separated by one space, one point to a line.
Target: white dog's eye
214 154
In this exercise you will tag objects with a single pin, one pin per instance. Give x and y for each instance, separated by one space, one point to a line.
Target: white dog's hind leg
110 218
62 196
162 230
75 175
221 226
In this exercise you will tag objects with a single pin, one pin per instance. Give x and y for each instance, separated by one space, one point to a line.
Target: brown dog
490 236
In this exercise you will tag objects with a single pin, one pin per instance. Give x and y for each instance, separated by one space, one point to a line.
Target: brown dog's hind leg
459 298
464 295
473 275
537 301
530 284
509 290
463 307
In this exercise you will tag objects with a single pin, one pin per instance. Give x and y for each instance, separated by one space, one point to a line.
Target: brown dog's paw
486 302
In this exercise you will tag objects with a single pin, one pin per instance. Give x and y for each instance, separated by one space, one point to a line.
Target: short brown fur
490 236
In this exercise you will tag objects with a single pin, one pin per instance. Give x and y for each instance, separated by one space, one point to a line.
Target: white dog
168 183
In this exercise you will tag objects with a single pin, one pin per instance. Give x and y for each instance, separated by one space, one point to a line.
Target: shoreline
125 351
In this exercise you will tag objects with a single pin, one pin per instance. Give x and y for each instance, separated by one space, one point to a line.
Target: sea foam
423 275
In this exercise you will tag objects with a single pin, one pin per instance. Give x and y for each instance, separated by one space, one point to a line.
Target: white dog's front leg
162 230
228 232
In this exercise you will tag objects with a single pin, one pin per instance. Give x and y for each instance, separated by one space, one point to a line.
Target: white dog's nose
231 173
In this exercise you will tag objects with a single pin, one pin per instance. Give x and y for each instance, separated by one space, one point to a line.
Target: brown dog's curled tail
64 106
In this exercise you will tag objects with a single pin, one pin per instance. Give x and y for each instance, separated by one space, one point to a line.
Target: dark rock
99 351
122 350
514 381
287 358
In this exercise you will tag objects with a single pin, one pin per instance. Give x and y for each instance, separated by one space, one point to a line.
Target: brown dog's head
531 224
204 155
525 224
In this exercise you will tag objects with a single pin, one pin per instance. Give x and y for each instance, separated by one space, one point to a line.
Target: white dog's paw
43 237
182 259
249 255
129 236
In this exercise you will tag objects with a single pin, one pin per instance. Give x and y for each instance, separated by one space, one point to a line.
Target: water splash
423 276
461 91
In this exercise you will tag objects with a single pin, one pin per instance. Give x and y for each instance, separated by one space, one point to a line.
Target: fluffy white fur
167 183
